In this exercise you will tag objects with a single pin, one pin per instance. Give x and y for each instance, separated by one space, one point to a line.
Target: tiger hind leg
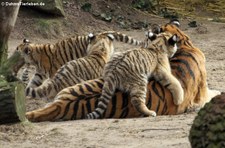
138 96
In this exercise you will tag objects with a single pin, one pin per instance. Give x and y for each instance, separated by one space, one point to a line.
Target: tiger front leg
138 99
36 80
165 78
25 76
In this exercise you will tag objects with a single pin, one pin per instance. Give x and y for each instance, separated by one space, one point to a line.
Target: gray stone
48 6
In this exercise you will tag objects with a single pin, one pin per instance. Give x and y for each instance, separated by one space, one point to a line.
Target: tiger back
187 65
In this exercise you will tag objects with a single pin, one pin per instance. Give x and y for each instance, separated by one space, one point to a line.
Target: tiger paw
153 114
178 101
178 98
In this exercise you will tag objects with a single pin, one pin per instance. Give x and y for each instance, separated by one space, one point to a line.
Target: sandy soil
161 131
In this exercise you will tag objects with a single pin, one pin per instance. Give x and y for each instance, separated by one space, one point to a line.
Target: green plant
48 28
146 5
208 129
86 7
43 23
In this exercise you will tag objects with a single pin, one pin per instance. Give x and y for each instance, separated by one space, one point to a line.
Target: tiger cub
48 58
129 71
99 51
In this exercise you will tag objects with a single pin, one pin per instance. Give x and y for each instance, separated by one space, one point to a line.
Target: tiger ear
173 40
156 29
152 36
91 36
26 41
175 22
110 36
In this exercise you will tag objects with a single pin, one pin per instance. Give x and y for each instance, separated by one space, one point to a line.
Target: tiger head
101 44
25 49
172 27
165 40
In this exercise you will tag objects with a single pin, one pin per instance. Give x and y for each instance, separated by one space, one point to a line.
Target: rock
193 24
146 5
106 17
208 129
49 6
86 7
166 13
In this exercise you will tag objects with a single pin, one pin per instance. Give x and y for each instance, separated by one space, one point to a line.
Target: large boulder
208 129
49 6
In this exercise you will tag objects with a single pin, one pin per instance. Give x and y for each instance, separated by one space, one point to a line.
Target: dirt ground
160 131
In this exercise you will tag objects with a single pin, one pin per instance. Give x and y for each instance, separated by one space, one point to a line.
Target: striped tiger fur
189 68
48 58
187 65
89 67
26 73
129 72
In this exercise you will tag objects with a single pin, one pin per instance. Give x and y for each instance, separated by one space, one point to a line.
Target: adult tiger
188 66
48 58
